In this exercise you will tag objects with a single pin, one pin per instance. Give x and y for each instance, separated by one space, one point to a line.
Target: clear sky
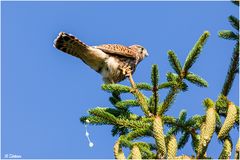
45 92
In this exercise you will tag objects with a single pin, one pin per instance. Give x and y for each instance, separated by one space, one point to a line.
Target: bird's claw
126 71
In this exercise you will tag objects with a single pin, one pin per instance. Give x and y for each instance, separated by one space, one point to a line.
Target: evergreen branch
94 120
113 100
226 34
229 121
149 146
195 79
103 114
136 154
116 87
132 116
234 22
175 63
172 131
195 121
146 119
221 105
169 120
167 85
183 140
236 2
129 156
138 133
218 123
119 130
195 142
172 147
194 53
159 137
155 75
155 100
237 150
133 124
115 97
189 126
227 149
145 147
144 86
182 116
168 101
155 79
182 86
171 76
151 104
176 81
142 100
231 71
126 103
237 70
118 153
124 141
109 116
114 112
145 150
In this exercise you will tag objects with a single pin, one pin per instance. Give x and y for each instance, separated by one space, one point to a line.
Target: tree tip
206 33
208 103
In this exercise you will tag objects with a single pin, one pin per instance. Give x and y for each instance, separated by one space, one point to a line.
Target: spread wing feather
117 50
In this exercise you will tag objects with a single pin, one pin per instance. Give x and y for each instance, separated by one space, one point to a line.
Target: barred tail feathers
91 56
69 44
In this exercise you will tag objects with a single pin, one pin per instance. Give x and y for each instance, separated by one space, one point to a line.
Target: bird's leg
126 70
129 75
134 88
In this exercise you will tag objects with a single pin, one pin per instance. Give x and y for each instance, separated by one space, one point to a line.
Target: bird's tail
70 44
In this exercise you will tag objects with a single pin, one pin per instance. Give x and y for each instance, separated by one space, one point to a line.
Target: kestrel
113 61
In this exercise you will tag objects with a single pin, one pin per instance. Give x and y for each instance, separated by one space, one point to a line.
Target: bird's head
142 52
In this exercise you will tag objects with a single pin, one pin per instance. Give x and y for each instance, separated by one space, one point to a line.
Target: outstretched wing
117 50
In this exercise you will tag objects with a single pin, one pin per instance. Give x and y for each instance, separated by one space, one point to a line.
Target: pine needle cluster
130 127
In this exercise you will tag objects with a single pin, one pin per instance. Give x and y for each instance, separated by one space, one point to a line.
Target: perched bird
113 61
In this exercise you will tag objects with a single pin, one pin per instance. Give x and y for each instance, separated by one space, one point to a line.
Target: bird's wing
117 50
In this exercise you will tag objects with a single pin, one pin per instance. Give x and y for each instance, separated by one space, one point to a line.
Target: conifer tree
130 127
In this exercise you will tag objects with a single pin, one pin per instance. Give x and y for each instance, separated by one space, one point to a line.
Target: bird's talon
123 70
126 71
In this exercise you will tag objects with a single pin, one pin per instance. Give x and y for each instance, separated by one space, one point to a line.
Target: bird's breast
112 70
111 67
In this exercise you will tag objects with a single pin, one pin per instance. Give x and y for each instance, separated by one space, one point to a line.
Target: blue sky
45 92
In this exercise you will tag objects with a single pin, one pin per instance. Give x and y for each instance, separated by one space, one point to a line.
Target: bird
114 62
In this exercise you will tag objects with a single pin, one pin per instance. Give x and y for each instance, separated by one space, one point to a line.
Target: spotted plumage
112 61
